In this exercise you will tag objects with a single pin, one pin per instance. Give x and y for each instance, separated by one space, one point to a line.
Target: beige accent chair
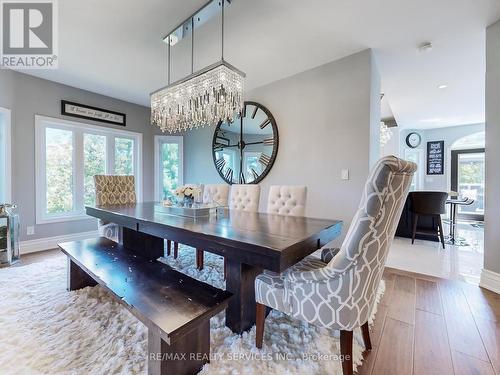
339 291
216 193
212 193
287 200
113 190
244 197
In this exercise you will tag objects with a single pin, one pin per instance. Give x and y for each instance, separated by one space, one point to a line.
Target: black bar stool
432 204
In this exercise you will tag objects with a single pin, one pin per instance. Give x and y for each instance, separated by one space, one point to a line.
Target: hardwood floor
426 326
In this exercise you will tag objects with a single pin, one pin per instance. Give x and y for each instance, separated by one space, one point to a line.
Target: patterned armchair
339 291
113 190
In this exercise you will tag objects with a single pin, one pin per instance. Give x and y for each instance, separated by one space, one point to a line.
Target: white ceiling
114 47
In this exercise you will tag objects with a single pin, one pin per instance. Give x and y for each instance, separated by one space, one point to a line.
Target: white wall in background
492 209
5 155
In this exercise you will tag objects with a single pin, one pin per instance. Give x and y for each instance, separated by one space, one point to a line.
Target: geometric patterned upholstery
216 193
244 198
287 200
113 190
341 294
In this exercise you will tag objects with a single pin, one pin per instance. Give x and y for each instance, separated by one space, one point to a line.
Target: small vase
188 201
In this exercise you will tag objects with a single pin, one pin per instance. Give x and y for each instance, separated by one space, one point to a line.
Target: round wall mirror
244 150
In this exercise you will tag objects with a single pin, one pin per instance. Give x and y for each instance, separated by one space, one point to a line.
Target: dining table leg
240 280
143 244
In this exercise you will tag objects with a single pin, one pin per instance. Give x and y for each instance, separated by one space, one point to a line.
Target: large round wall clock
244 150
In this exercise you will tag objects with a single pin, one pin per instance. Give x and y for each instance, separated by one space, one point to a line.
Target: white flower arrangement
189 191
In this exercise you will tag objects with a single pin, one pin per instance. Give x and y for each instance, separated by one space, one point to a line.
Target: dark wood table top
154 292
275 237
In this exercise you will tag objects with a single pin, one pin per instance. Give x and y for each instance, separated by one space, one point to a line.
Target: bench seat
175 307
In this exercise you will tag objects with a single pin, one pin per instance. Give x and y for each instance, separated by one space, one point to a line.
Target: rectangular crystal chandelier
203 98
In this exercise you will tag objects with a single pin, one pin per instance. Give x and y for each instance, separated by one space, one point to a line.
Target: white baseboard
41 244
490 280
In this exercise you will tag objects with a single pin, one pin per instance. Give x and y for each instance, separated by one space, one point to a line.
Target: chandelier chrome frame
205 97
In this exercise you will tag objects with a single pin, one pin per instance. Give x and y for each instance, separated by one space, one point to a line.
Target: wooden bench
176 308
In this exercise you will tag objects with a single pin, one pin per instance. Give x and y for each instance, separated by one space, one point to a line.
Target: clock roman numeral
266 122
268 142
255 175
264 159
242 178
229 174
220 163
255 112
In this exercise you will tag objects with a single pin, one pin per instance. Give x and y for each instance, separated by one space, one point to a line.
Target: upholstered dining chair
243 198
113 190
216 193
339 290
287 200
212 193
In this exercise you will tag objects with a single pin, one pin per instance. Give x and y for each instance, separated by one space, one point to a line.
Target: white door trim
8 153
159 139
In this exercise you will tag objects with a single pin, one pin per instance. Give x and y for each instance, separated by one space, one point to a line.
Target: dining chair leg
176 249
415 223
441 235
260 318
199 259
346 351
365 330
169 247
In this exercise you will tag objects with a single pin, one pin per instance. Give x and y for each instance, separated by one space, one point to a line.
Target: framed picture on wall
435 157
92 113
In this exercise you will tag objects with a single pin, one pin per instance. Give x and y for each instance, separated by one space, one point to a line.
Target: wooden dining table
250 242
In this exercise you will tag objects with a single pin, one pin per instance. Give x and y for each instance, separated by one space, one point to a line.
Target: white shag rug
46 330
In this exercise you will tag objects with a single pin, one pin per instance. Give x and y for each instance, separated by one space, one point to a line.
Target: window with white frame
168 165
68 155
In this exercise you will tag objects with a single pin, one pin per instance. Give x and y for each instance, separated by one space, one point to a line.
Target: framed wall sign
435 157
92 113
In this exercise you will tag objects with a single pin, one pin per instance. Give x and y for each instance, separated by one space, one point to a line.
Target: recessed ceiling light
442 87
425 47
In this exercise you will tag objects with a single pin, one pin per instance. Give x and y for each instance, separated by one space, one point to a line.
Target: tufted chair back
287 200
216 193
113 190
244 197
350 280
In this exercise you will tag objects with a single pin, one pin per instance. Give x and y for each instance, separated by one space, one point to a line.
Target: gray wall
447 134
2 157
492 209
323 117
27 96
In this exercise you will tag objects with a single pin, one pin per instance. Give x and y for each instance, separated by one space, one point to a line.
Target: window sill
63 219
